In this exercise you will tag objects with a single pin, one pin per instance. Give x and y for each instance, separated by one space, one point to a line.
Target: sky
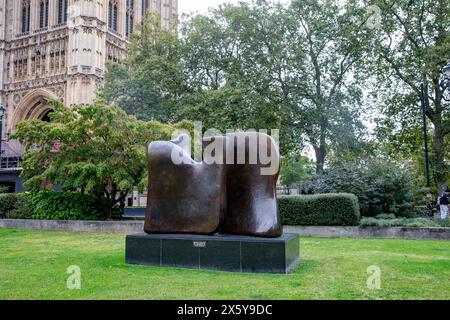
201 6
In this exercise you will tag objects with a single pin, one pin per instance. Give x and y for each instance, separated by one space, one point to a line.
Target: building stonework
57 49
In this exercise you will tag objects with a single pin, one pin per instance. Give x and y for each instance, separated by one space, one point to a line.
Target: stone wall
130 227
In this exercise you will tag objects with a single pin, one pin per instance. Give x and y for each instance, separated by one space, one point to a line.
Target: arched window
144 8
129 18
113 13
62 11
26 12
110 6
46 12
43 14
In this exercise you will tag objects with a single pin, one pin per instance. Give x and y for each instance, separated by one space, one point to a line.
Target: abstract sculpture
234 194
183 198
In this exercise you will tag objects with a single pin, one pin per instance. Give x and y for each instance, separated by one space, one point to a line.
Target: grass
33 265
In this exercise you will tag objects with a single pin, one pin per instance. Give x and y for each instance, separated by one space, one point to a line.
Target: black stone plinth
217 252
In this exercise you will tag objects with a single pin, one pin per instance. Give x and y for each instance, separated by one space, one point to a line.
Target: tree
254 66
411 46
228 85
102 151
297 64
150 81
381 186
329 44
296 169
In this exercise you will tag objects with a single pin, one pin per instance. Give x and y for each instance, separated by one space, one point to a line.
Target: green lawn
33 266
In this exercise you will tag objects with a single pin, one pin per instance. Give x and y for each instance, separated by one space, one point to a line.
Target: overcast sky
189 6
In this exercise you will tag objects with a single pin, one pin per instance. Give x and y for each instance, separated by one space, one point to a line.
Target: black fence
283 191
9 162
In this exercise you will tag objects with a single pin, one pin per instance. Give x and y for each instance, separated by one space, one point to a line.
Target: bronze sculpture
251 196
182 198
232 196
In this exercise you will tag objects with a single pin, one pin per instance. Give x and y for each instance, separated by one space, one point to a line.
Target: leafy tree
411 46
381 186
328 44
294 65
296 169
253 66
149 82
102 151
228 60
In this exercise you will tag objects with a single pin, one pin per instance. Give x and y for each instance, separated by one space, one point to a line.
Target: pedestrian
443 202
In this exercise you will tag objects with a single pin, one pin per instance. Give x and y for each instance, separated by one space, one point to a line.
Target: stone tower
57 49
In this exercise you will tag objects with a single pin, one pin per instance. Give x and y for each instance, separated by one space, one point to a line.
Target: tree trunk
110 201
108 211
321 153
440 167
321 149
108 207
121 201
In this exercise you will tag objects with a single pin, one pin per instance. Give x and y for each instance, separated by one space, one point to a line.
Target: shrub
385 216
24 210
321 209
444 223
9 202
296 170
381 187
53 205
400 222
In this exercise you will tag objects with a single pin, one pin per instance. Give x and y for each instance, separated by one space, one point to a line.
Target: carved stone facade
57 49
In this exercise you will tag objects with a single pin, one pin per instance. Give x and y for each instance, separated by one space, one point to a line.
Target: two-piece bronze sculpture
235 195
220 213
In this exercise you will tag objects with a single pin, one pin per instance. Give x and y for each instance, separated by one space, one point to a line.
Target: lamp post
2 113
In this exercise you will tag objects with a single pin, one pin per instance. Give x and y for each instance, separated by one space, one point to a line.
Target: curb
134 226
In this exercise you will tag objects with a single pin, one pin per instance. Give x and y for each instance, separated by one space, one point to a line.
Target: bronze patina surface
251 196
200 198
182 198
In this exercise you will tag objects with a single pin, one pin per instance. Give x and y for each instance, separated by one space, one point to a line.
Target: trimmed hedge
10 204
59 205
333 209
400 222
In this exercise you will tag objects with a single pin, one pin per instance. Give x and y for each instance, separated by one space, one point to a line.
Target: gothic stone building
57 49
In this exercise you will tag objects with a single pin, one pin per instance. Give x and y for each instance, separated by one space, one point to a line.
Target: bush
385 216
444 223
9 202
320 210
24 209
381 187
53 205
401 222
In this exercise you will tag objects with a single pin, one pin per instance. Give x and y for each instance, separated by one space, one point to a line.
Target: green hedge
334 209
9 202
400 222
58 205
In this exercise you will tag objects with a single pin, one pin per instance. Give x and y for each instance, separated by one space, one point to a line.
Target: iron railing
9 162
282 191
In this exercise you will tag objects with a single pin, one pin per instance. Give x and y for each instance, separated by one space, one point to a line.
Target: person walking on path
443 202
